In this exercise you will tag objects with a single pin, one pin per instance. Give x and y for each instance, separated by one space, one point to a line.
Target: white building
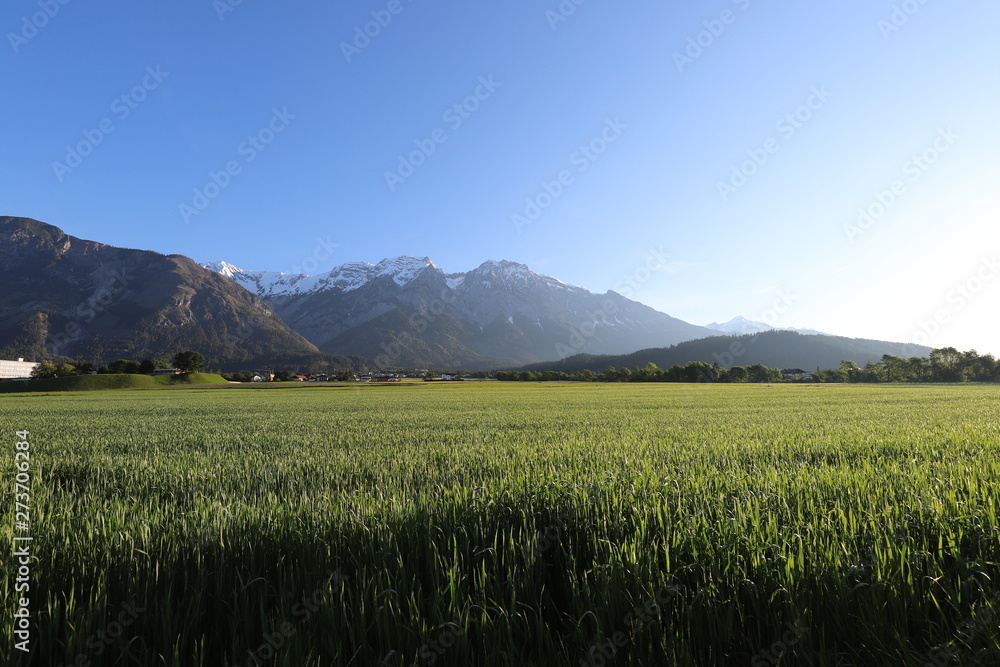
15 370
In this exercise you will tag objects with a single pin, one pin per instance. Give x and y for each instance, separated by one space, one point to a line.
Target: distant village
26 370
425 375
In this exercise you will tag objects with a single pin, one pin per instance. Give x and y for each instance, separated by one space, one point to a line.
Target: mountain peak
224 268
509 272
502 264
740 325
402 269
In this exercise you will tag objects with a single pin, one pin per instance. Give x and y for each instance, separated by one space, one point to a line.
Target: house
16 370
300 378
167 371
795 373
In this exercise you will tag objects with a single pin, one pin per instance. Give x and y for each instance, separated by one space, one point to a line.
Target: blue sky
740 138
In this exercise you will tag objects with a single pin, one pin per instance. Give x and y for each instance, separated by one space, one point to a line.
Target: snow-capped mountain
739 326
84 299
406 311
344 278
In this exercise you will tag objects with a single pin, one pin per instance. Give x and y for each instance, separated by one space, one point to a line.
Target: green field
521 524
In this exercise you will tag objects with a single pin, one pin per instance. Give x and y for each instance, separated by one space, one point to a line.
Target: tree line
941 365
188 361
693 371
946 364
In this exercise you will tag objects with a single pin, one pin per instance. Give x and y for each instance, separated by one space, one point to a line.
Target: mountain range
407 312
69 298
773 348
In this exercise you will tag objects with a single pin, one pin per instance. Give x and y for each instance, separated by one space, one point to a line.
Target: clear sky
739 137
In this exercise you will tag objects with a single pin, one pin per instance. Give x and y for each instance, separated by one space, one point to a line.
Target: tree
45 369
987 369
124 366
761 373
850 370
700 371
873 372
970 366
63 370
147 366
830 375
737 374
651 373
945 365
918 368
895 367
189 361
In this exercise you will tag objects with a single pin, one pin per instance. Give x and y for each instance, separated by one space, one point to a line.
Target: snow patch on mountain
344 278
513 274
403 270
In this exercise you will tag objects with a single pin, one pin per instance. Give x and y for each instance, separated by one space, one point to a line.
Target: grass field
520 524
